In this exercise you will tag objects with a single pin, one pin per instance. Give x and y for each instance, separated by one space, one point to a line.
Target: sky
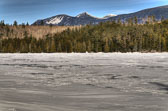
25 11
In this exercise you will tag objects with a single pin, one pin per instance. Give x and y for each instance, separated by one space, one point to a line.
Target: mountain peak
108 16
83 14
85 18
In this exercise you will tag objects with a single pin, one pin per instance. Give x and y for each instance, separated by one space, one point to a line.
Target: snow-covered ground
84 82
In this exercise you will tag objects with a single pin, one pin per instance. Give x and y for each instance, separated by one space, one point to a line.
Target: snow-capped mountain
81 19
55 20
108 16
85 18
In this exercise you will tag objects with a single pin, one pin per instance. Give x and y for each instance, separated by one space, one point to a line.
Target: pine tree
2 23
106 47
41 22
15 23
89 46
59 47
135 20
27 24
53 47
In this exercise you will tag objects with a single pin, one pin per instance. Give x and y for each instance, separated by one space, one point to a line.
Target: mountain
55 20
142 15
85 18
81 19
85 15
108 16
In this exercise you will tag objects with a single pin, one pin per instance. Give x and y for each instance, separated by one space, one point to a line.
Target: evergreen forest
112 36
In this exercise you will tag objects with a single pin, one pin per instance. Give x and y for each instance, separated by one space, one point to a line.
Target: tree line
111 36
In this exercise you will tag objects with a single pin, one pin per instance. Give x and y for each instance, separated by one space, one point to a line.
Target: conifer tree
27 24
15 23
53 47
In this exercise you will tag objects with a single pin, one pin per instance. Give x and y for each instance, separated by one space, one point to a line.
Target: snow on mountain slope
55 20
108 16
81 19
85 18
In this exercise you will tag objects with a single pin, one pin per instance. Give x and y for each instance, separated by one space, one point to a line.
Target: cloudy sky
31 10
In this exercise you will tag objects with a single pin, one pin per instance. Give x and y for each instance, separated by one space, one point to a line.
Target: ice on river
84 82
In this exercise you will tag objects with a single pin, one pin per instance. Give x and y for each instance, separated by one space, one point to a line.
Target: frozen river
84 82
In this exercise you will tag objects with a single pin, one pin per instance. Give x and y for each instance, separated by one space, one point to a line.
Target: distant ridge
157 12
85 18
81 19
